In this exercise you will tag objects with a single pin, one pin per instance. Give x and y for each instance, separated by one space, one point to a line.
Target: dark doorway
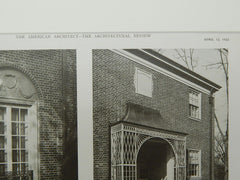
155 160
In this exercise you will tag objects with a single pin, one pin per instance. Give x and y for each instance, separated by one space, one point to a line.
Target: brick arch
26 73
22 92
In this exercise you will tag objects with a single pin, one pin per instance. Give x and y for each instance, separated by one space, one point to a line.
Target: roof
170 65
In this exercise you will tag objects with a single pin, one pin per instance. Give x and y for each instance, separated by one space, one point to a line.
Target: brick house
152 118
38 114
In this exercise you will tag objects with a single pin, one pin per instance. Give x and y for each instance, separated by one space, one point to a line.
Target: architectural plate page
130 105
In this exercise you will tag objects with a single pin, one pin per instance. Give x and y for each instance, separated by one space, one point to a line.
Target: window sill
145 95
195 119
195 177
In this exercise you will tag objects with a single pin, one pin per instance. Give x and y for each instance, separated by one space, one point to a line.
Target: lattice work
126 142
129 128
181 152
129 148
116 128
116 148
140 139
181 173
116 173
162 135
180 166
175 173
129 173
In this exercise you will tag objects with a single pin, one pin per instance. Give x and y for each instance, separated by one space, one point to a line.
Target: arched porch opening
128 142
155 160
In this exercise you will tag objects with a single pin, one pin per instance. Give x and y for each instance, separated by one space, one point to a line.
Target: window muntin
19 130
13 140
194 163
143 82
3 163
194 104
19 152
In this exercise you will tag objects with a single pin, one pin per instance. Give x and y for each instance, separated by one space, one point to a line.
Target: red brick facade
113 88
53 73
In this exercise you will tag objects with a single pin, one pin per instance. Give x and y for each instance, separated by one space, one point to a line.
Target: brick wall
113 87
53 73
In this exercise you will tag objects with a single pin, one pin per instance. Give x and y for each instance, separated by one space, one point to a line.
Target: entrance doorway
155 160
131 145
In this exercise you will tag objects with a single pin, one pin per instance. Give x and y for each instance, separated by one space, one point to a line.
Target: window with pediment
18 126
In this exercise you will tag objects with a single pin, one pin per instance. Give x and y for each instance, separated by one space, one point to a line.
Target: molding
15 101
195 119
200 162
117 127
12 66
161 70
136 82
181 69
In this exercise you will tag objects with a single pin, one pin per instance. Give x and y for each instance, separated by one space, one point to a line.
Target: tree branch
219 128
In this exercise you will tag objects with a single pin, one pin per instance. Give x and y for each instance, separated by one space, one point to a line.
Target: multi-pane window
19 153
194 163
13 152
195 104
3 162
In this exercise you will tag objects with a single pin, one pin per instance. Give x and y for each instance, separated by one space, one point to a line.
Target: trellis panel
126 141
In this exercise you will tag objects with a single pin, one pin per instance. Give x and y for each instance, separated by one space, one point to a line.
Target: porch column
170 164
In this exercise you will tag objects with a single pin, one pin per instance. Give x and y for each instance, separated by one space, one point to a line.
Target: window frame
199 162
19 135
197 105
8 136
3 163
136 82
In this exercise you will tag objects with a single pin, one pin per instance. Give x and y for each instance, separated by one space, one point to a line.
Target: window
19 153
3 162
195 104
19 143
194 163
13 142
143 82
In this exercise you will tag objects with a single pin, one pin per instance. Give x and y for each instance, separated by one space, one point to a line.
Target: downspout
212 133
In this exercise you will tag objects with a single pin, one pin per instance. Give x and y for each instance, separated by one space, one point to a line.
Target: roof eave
168 64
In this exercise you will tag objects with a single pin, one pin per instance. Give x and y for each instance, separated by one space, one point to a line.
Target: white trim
199 105
16 101
195 119
8 135
178 68
200 160
136 82
193 149
159 69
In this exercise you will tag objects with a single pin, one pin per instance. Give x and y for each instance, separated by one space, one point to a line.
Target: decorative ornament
9 81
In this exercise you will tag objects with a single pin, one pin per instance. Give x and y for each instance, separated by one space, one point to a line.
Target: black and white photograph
119 90
118 106
160 114
38 116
